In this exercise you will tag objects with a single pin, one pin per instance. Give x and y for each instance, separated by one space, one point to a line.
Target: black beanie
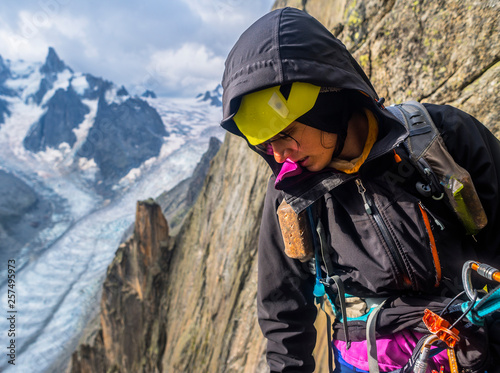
331 113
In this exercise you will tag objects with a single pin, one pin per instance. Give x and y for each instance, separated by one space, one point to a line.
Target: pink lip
303 162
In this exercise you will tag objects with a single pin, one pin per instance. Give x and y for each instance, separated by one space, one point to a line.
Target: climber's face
302 144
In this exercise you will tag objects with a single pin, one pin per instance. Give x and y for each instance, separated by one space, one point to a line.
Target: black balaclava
331 112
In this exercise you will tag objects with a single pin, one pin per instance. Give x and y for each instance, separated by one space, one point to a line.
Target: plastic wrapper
296 233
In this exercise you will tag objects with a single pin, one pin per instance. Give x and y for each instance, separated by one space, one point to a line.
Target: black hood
276 50
289 45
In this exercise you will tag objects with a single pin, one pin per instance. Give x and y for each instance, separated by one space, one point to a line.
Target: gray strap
416 119
371 341
325 255
341 296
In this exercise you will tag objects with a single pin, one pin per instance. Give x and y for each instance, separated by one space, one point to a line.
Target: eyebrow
286 133
282 134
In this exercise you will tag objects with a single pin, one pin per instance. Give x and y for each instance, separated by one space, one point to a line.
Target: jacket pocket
387 247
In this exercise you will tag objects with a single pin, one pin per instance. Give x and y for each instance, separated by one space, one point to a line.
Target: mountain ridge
95 133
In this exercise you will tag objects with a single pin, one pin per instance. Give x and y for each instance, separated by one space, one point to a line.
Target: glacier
59 273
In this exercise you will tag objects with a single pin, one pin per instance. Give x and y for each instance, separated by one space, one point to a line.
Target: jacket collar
303 190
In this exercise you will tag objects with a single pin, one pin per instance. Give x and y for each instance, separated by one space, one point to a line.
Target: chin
313 168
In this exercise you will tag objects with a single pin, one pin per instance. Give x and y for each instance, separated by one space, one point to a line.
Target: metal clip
484 270
422 362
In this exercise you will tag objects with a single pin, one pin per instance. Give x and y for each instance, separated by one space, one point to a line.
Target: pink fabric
393 352
288 169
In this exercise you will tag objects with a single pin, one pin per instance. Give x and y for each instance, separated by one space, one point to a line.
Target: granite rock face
442 52
201 307
211 296
53 64
214 96
130 301
97 87
50 69
176 202
186 303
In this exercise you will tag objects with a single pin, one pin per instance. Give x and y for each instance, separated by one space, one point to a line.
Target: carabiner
422 362
484 270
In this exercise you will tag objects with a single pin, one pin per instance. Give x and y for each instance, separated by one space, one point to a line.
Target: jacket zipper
372 210
438 222
435 257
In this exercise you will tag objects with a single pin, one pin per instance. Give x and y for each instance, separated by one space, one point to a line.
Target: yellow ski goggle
264 114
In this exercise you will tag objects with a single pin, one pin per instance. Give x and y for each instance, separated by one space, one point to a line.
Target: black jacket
288 45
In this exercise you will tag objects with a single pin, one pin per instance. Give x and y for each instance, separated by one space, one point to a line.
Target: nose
280 151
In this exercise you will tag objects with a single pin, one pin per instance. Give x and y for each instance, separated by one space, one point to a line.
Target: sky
175 48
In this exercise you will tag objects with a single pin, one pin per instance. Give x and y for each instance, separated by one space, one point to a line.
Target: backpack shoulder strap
422 130
444 176
423 133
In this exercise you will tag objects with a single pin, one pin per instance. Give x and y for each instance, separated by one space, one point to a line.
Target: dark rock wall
123 137
65 112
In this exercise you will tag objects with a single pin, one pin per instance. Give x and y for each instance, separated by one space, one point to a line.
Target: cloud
191 68
216 11
169 46
29 35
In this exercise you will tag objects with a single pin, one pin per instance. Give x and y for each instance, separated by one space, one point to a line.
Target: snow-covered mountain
213 97
76 153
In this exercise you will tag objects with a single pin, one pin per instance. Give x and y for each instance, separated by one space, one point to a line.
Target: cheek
328 140
326 155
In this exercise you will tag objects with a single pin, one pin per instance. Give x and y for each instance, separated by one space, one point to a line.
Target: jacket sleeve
286 309
477 150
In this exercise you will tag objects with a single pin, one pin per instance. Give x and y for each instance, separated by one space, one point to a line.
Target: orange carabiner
493 273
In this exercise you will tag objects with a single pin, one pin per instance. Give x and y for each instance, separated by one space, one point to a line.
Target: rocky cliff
117 143
187 303
440 51
65 112
176 202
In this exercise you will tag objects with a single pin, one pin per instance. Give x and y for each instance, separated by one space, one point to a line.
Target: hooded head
285 46
288 67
